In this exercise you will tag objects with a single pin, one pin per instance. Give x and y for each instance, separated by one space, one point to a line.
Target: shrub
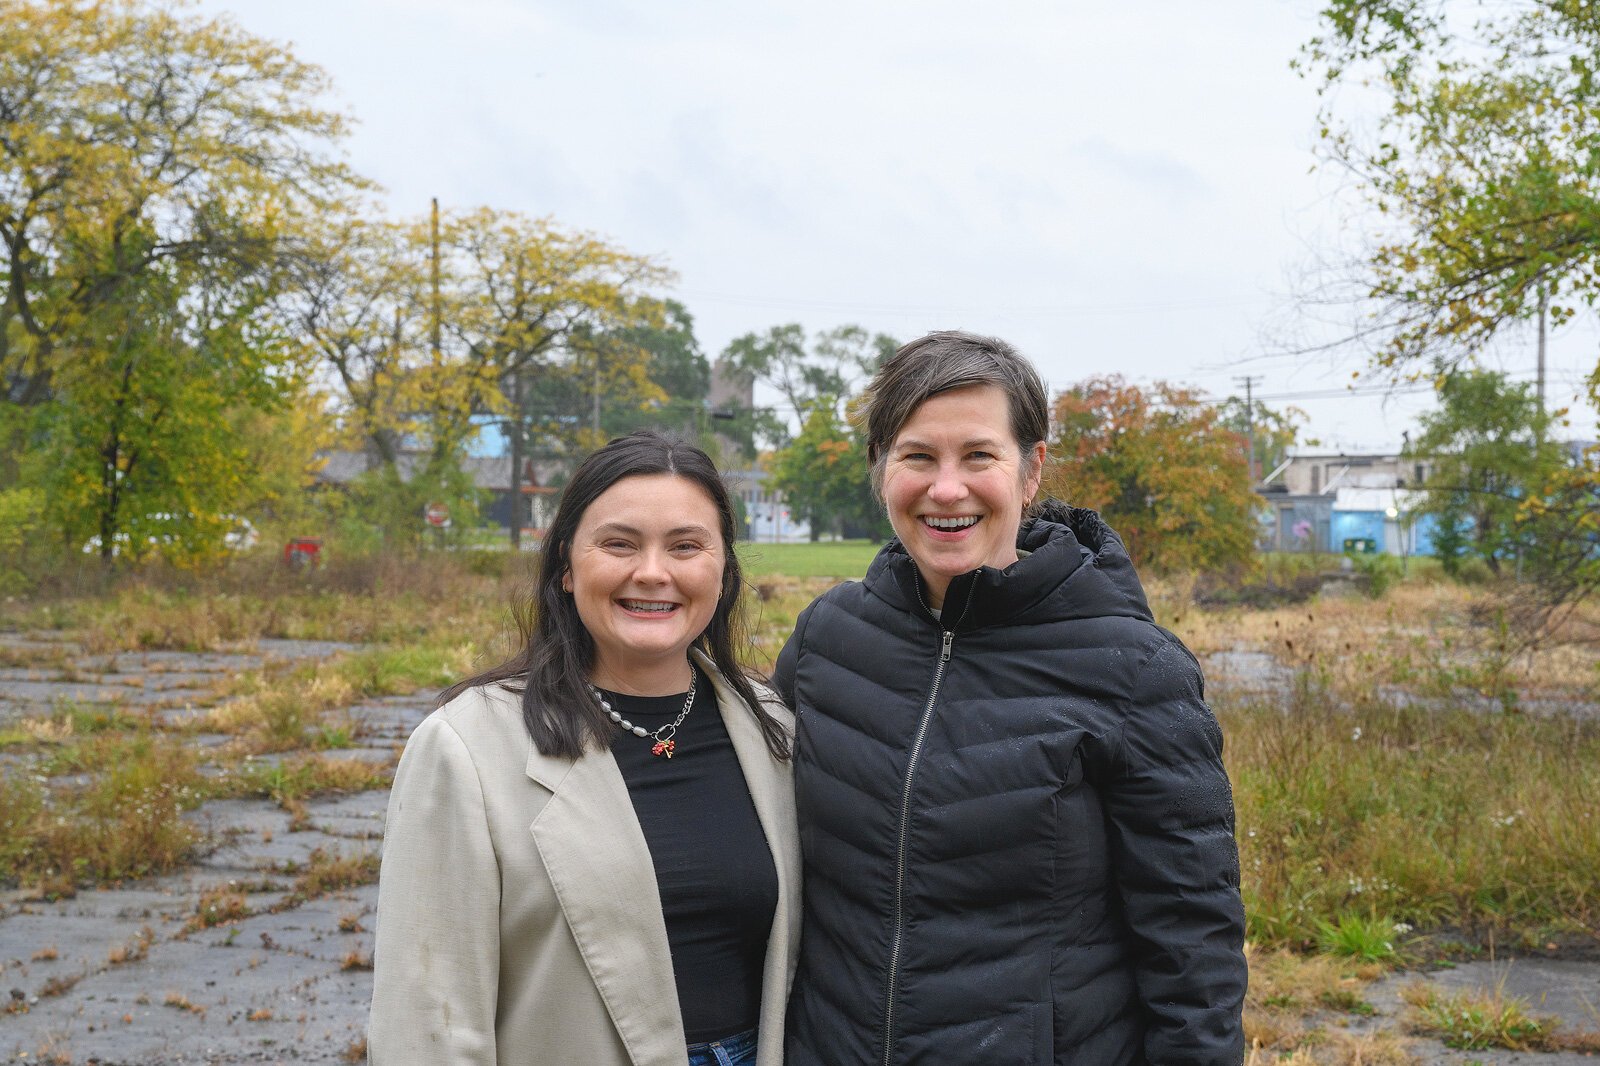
1380 570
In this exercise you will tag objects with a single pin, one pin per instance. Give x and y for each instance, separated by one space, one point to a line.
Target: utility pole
595 415
435 272
1249 381
1544 303
515 425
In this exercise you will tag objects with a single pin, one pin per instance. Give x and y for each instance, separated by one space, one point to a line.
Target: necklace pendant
663 748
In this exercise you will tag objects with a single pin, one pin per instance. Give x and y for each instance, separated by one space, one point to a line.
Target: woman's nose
947 487
651 567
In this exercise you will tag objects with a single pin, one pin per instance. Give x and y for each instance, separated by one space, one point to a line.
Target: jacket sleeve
436 959
1169 812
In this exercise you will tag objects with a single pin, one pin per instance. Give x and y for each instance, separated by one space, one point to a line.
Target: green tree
1489 453
1275 432
825 478
141 448
1163 469
1483 165
677 367
154 169
827 372
823 471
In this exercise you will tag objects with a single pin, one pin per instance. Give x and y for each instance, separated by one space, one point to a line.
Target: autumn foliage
1162 469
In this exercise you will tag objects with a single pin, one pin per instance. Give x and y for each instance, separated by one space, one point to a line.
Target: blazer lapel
600 867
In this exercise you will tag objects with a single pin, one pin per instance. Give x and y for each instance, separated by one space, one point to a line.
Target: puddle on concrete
1246 670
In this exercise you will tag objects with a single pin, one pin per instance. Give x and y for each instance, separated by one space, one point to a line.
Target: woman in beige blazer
590 855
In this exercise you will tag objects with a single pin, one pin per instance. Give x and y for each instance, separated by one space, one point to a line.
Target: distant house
490 474
766 513
1343 502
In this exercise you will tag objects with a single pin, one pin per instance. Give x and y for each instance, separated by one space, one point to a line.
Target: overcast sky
1122 191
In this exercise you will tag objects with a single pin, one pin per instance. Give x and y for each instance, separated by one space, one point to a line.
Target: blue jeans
736 1050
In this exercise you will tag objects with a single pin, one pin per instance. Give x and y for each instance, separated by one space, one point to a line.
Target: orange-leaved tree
1161 467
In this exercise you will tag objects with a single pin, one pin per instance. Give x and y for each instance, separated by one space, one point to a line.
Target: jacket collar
1075 567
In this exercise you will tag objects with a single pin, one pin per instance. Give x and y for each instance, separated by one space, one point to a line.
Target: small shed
1380 520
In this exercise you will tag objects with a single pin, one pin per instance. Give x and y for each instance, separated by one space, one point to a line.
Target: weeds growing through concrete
327 871
134 950
217 906
179 1001
1478 1021
357 960
295 779
124 821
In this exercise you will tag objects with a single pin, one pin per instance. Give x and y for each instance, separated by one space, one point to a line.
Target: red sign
437 514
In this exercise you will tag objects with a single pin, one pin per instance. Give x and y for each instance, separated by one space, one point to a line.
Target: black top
1015 826
714 871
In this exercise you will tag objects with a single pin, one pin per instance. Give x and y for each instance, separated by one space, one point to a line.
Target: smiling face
955 483
645 574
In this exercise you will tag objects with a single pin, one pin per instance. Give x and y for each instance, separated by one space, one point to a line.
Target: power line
847 307
1249 381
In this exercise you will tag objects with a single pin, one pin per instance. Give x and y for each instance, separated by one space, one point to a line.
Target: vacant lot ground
193 778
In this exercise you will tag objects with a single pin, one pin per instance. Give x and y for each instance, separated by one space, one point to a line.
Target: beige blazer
518 917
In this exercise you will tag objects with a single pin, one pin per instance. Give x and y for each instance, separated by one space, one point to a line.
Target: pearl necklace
664 744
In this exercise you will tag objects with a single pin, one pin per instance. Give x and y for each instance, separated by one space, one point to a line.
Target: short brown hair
941 362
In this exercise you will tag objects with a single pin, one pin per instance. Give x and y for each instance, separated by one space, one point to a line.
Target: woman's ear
566 582
1035 460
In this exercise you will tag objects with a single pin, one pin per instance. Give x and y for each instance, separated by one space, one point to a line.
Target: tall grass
124 821
362 600
1412 817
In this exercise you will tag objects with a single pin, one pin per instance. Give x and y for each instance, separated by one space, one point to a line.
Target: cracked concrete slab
120 974
289 982
1563 989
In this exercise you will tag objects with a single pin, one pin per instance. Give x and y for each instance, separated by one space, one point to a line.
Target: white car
240 536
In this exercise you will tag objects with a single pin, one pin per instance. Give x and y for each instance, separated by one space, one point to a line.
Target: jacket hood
1075 567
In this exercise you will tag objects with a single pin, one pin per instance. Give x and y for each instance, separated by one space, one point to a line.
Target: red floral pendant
663 747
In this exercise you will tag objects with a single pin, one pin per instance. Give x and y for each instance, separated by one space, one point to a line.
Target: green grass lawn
840 558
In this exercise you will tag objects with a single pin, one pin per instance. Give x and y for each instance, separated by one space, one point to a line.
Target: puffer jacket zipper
946 642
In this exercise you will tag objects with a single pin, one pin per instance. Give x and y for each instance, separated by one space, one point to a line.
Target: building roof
1369 499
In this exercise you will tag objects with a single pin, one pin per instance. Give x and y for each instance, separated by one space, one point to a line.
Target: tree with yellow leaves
1163 468
156 170
512 319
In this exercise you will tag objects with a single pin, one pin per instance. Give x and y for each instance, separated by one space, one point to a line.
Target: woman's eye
686 546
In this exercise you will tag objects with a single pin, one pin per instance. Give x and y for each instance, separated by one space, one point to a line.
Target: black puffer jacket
1017 831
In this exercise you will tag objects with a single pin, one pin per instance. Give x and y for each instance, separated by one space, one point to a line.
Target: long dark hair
552 669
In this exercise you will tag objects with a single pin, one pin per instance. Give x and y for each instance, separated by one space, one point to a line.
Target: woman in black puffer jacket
1017 830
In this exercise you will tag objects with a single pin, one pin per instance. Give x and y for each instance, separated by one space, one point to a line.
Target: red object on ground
303 553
